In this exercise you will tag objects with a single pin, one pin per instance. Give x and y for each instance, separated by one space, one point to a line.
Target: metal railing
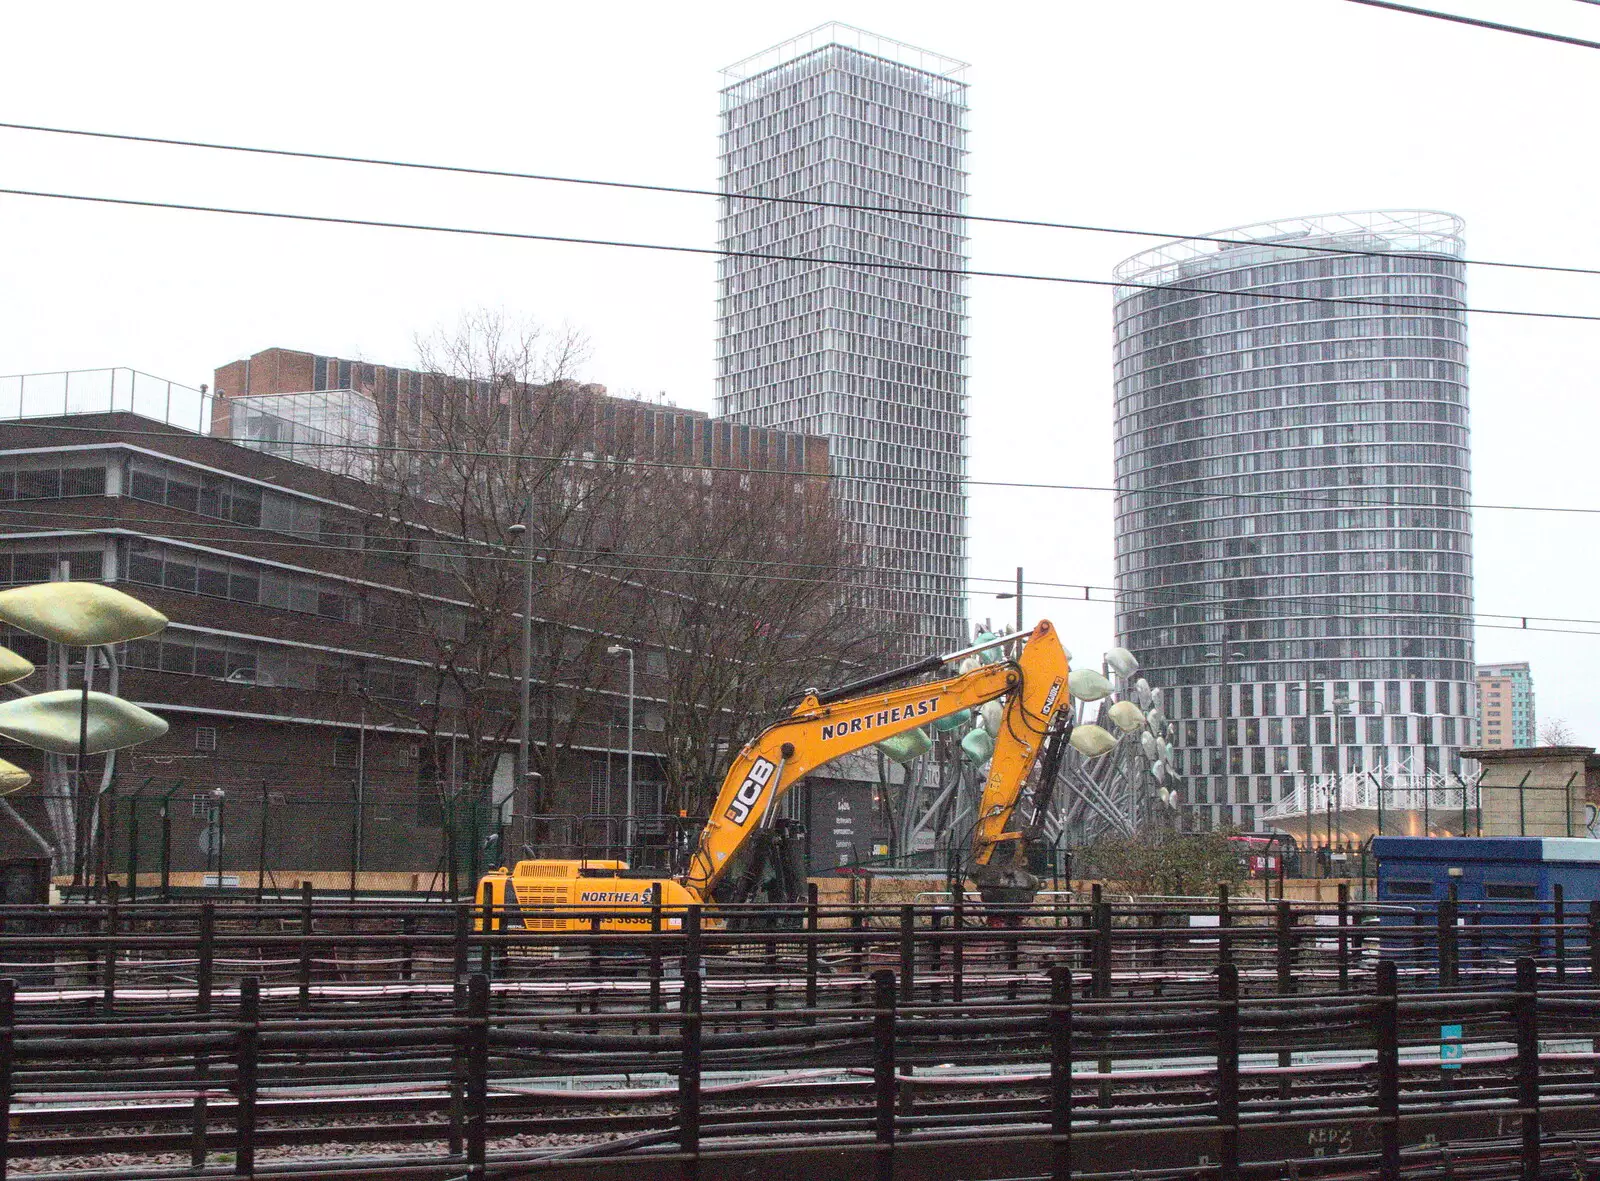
104 391
676 1057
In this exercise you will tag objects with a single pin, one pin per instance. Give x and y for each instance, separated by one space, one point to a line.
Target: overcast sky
1167 115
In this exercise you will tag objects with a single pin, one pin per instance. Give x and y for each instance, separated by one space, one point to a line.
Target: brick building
284 667
247 390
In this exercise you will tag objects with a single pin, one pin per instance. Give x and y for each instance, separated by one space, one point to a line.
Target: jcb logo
750 791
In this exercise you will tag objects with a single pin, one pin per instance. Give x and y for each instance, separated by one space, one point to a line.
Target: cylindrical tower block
1293 531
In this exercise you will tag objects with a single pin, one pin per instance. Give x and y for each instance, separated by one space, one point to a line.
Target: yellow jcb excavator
743 855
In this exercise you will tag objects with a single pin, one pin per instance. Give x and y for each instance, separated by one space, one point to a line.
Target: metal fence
427 1042
263 837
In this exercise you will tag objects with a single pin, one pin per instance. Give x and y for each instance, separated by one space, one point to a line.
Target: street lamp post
520 787
1017 595
627 824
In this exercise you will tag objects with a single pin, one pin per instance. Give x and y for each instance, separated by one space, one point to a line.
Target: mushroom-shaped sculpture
79 614
1126 716
12 778
54 721
978 746
1087 685
1091 741
13 667
903 748
992 713
1122 662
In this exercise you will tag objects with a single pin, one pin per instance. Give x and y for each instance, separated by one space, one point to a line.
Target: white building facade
868 348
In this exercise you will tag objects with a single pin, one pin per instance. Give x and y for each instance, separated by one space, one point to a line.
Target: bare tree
739 587
1556 732
491 423
757 596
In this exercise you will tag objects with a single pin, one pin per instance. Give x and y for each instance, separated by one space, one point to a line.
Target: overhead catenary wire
645 563
1477 22
1444 304
1308 496
762 198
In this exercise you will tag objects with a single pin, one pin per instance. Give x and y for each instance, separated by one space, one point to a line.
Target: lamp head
617 650
517 530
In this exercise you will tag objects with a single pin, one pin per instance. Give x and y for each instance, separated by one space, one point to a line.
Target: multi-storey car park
871 357
1293 535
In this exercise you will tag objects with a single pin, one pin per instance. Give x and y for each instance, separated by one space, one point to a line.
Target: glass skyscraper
873 357
1293 534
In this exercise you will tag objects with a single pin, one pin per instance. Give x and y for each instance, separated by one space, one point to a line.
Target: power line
1481 24
640 567
1449 306
1306 497
681 190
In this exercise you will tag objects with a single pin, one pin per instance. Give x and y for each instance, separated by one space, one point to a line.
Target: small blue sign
1450 1047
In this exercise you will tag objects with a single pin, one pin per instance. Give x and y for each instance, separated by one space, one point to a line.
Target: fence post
8 1016
1594 942
1560 917
202 1005
1449 975
1224 923
486 956
1344 936
408 928
1102 949
689 1072
883 999
463 934
1228 1069
1388 1050
957 950
858 945
813 952
908 952
244 1159
1061 1073
1525 1016
113 925
477 1046
655 957
307 928
692 942
458 1064
1091 977
1285 956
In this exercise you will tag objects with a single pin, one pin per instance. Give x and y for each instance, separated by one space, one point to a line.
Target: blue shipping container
1418 870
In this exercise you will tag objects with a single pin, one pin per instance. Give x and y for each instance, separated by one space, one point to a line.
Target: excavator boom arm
817 733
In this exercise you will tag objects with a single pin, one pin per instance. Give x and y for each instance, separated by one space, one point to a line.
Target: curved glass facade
1294 542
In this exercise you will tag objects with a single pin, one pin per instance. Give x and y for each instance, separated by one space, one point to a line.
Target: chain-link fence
172 836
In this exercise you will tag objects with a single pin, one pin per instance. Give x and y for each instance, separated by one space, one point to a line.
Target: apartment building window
40 565
205 738
346 750
52 482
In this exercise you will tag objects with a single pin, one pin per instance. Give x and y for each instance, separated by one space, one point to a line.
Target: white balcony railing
104 391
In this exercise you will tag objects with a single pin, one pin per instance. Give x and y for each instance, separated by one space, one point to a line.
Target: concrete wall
1537 791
